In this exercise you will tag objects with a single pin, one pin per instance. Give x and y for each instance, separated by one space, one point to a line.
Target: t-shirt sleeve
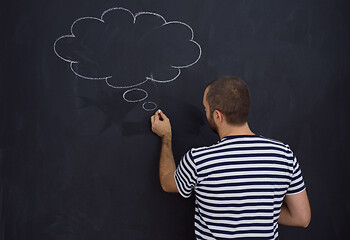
186 175
297 184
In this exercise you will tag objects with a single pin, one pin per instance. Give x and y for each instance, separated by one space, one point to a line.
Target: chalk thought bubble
126 50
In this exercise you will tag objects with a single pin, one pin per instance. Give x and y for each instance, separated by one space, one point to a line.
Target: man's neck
234 130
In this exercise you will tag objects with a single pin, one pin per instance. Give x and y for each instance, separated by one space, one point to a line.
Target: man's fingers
161 114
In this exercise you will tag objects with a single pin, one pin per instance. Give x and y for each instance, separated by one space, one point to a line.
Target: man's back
246 184
239 184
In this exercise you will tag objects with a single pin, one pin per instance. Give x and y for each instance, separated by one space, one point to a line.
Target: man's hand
161 125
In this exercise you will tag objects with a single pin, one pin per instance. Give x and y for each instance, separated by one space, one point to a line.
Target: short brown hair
229 95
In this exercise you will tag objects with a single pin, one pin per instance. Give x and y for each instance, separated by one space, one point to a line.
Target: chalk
160 117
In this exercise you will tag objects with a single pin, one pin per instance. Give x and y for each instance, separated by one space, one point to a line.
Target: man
246 184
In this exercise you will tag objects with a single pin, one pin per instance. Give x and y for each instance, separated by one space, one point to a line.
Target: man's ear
219 116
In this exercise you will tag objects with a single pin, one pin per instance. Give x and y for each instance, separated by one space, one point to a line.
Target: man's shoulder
275 142
203 149
253 141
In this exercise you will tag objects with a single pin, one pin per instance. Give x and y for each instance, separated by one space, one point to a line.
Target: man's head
230 96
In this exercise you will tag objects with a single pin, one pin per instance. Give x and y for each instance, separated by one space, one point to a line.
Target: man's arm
161 126
295 210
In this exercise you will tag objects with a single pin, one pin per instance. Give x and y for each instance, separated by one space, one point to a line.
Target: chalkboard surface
80 80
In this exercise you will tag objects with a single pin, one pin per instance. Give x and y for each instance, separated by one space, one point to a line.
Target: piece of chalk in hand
160 117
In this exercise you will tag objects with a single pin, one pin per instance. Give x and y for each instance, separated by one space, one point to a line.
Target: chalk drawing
129 99
151 106
99 48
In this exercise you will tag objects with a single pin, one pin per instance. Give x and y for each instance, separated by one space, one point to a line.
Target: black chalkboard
80 80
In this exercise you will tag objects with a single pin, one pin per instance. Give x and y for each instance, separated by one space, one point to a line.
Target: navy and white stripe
239 184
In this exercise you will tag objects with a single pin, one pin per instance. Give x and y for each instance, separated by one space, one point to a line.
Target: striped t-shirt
239 185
